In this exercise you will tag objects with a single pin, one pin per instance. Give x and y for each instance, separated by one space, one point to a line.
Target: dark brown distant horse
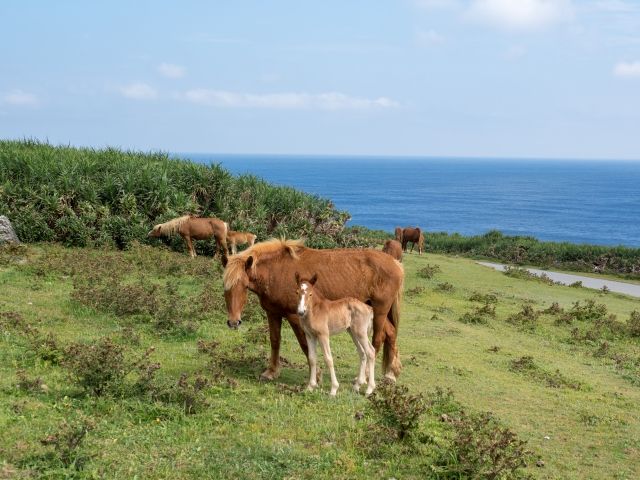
410 234
393 248
268 269
196 228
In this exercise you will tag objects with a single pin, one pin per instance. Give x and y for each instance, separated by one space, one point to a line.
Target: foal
320 318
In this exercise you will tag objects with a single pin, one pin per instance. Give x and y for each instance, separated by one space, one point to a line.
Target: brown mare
239 238
194 228
320 318
268 270
410 234
393 248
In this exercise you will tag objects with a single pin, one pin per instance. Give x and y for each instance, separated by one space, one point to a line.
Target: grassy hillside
88 197
82 394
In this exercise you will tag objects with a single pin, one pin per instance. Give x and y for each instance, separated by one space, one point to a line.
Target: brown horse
410 234
268 270
398 233
393 248
194 228
239 238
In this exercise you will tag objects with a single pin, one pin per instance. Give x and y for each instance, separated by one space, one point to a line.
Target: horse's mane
235 265
172 226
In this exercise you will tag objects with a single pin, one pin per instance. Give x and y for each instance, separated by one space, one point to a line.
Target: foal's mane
172 226
235 266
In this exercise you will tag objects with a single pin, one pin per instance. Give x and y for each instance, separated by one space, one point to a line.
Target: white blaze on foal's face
302 306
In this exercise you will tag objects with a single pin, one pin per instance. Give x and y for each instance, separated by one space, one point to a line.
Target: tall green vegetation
530 251
82 196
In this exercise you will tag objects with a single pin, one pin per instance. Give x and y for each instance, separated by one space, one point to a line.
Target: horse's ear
225 260
314 279
248 263
297 278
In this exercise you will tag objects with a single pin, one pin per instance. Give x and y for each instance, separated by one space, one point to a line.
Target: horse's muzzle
234 325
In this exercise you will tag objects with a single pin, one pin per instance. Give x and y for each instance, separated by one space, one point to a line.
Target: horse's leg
222 241
294 321
313 362
328 359
192 251
275 325
390 357
356 337
234 249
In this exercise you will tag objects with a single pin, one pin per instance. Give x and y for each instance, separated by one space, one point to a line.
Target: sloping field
566 381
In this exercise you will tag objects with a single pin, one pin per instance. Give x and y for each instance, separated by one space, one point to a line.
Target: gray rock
7 234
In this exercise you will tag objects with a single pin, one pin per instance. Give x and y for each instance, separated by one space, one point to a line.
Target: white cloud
429 38
287 101
170 70
627 69
20 98
520 14
139 91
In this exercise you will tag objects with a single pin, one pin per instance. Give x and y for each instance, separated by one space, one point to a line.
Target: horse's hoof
268 376
390 376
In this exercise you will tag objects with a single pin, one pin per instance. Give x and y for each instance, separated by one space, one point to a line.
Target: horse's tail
390 354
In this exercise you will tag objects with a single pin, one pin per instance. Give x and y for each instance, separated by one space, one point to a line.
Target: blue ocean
595 202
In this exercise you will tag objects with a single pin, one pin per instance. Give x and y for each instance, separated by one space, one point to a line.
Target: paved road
588 282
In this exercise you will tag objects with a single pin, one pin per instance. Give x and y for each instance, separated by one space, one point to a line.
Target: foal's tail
390 354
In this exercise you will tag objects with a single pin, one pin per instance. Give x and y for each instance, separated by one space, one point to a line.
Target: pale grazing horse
320 318
194 228
235 239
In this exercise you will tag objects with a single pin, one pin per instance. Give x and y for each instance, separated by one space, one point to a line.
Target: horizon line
411 157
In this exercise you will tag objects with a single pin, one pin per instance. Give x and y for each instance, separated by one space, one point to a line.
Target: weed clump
396 410
483 298
525 365
428 271
633 324
101 367
445 287
525 318
482 448
67 439
479 315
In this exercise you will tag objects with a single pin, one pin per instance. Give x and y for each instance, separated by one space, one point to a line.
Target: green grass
256 430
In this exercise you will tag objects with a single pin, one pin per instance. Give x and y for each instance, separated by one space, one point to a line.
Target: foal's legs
326 351
313 362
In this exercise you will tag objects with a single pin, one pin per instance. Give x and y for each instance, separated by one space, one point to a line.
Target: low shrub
102 367
481 448
428 271
525 318
395 409
633 324
483 297
67 440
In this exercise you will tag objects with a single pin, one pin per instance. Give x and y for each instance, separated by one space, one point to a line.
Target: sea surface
595 202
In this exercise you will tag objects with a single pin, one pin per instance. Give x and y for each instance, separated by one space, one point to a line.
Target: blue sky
506 78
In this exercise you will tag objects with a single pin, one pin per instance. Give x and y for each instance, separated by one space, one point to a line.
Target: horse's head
155 232
304 292
235 291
